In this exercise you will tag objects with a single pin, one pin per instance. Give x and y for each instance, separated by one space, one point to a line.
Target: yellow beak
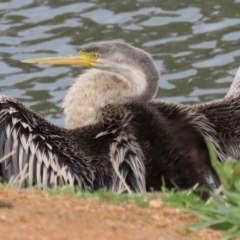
81 58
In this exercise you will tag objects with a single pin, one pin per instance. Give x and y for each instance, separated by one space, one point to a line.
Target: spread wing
224 115
32 148
25 152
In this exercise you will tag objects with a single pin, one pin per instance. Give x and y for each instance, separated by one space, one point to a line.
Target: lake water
195 44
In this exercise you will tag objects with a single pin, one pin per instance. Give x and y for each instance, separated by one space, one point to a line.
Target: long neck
96 88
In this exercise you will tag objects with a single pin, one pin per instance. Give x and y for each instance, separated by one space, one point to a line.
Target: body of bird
116 136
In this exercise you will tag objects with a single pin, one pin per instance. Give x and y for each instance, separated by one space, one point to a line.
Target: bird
116 135
224 114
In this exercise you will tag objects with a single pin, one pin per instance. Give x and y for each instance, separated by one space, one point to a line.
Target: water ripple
194 43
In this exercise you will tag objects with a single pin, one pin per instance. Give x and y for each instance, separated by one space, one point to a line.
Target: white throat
96 88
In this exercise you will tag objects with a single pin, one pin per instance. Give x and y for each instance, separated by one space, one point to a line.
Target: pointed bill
81 58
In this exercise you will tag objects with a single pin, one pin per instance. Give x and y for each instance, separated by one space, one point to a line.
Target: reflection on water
195 44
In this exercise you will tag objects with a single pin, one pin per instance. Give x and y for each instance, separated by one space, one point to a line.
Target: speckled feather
56 156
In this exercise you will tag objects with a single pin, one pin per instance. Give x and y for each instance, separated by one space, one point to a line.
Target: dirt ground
26 215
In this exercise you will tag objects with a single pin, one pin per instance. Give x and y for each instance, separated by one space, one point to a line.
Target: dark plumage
131 139
225 118
137 134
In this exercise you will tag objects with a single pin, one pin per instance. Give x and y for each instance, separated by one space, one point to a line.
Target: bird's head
118 57
111 56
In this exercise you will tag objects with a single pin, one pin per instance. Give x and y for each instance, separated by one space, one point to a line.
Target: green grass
222 211
104 195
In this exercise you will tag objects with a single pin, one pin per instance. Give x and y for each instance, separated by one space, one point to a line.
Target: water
195 44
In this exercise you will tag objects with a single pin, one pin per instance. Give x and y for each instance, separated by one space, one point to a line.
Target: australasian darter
116 135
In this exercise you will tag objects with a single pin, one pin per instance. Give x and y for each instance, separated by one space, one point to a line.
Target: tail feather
235 87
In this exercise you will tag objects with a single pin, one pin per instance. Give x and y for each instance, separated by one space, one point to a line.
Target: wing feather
31 155
44 153
128 162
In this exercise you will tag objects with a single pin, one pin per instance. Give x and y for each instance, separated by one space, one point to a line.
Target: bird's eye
95 55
